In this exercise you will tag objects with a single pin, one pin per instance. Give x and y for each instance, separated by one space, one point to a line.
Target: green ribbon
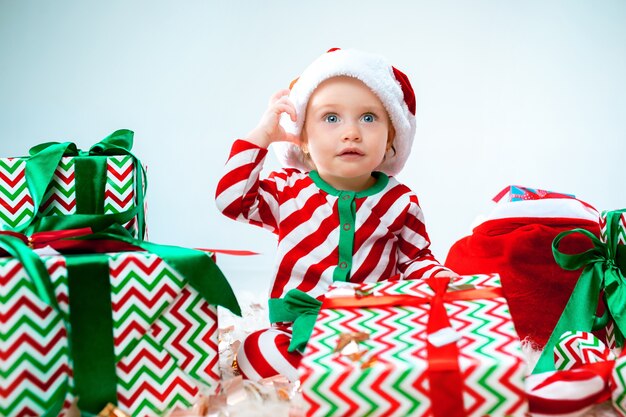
91 334
600 273
301 309
90 178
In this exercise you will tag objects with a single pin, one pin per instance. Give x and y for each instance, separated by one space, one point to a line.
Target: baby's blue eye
331 118
368 118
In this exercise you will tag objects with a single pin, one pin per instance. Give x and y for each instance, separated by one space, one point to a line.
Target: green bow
90 173
600 273
301 309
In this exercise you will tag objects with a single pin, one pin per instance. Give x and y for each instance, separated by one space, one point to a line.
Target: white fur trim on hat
375 72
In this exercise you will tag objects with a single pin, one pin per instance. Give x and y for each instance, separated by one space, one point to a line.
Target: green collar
381 182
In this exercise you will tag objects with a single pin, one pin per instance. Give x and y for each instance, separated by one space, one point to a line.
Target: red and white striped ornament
618 386
263 354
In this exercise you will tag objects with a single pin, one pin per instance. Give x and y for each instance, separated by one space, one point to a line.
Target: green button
346 226
343 265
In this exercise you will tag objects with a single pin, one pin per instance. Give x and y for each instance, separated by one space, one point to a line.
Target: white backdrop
530 93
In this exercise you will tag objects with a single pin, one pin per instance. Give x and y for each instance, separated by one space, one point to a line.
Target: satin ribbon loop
572 262
118 142
69 148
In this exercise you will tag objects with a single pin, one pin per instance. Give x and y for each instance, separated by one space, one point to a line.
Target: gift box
596 302
613 231
135 328
421 348
513 193
61 187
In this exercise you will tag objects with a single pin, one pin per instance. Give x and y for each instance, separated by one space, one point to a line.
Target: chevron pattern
165 338
602 223
390 378
187 330
618 384
165 335
621 238
621 232
578 348
34 355
119 191
16 204
60 198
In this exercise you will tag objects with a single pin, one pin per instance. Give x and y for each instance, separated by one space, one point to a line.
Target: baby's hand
446 274
269 129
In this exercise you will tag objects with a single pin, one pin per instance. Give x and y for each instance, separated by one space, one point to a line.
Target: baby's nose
352 132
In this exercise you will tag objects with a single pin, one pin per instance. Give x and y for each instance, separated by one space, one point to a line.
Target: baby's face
347 132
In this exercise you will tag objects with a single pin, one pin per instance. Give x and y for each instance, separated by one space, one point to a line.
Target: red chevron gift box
61 187
137 329
415 348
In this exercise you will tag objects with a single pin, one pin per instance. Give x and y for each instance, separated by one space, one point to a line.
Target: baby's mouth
351 152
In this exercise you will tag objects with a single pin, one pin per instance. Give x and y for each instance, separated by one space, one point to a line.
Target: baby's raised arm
269 129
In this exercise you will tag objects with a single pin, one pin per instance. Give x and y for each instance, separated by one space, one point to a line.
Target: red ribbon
444 373
64 241
234 252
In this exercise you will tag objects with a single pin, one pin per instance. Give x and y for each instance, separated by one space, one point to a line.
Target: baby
342 131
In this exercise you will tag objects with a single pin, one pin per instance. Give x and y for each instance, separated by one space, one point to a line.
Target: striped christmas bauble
264 354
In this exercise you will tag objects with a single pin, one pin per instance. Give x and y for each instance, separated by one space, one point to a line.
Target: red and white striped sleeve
240 193
415 259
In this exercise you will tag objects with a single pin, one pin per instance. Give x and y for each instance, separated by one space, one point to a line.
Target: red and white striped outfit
325 234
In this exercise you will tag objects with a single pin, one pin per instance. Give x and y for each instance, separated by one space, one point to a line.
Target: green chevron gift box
602 280
609 233
61 187
137 329
434 347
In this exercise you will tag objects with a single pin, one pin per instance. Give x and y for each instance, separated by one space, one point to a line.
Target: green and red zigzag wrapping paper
379 351
102 181
164 337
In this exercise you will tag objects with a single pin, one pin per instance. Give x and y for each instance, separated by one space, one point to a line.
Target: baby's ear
391 135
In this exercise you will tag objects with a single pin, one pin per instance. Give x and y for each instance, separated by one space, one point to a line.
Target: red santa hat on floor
390 85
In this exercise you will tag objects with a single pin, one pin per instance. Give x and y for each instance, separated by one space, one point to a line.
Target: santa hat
390 85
